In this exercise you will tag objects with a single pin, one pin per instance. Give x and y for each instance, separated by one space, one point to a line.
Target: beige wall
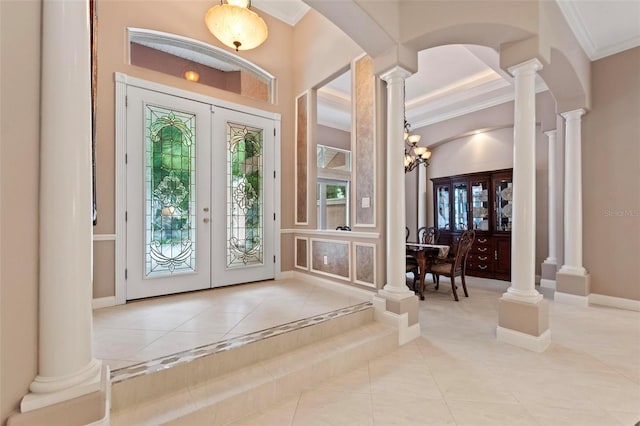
611 177
19 138
333 137
184 18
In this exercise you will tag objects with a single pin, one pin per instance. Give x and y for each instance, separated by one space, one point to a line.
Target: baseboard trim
400 322
571 299
526 341
614 302
545 283
286 275
335 286
103 302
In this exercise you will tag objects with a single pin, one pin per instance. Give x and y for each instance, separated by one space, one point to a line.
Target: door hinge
126 159
274 216
274 174
126 101
274 132
126 273
126 216
274 259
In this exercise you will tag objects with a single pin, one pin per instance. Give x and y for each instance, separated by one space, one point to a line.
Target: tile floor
144 330
456 373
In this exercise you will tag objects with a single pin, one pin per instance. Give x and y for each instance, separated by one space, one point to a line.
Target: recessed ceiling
459 79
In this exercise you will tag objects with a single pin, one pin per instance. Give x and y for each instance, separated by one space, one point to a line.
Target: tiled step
227 380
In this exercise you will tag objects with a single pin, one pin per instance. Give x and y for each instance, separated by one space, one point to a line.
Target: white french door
243 212
168 194
199 195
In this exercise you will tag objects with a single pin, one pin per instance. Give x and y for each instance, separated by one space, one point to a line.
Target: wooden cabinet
482 202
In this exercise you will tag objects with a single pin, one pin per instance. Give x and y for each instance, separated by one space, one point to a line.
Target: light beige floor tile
212 320
482 413
412 379
122 344
324 408
550 416
279 415
625 417
410 410
356 381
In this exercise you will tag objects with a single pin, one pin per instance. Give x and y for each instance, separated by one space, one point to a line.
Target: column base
398 313
524 324
90 408
47 391
548 271
572 288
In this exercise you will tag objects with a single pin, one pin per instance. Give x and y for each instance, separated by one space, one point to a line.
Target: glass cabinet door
443 210
460 206
503 205
480 205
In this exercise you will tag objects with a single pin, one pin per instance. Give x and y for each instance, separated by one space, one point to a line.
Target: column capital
395 73
573 115
530 66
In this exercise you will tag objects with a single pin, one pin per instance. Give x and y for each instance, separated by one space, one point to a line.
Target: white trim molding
571 299
545 283
306 93
329 274
332 233
527 341
306 253
104 237
614 302
339 287
400 322
103 302
354 247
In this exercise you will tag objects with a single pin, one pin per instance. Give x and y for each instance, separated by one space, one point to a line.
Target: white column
551 187
396 221
573 194
66 367
524 185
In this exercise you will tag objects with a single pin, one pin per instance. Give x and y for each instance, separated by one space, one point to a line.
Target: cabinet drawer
482 245
480 258
479 266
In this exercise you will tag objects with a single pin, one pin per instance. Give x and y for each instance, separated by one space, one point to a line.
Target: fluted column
66 366
396 220
573 284
523 230
523 317
549 266
573 194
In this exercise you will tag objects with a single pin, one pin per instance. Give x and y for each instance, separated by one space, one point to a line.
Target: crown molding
287 11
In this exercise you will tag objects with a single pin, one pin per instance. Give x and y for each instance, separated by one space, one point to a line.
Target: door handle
205 220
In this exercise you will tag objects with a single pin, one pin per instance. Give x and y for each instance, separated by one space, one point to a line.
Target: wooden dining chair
455 266
428 235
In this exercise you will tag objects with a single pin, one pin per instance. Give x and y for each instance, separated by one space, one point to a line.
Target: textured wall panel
302 116
365 171
365 255
301 253
338 258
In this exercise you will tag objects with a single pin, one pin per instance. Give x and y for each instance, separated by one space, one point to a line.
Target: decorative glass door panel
170 198
244 185
503 203
168 235
480 205
243 212
460 206
443 208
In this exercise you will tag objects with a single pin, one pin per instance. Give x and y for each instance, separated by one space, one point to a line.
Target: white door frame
122 81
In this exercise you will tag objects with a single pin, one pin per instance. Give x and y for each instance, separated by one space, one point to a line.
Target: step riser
146 387
266 395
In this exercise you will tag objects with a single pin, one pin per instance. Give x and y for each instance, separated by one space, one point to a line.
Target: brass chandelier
414 155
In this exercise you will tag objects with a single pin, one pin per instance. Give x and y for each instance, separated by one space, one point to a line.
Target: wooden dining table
425 254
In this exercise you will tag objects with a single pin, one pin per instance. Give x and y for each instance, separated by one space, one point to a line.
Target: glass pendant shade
236 26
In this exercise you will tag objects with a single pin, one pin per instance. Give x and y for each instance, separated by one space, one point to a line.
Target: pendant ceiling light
235 25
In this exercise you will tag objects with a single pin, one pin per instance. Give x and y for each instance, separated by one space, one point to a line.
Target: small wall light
192 76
